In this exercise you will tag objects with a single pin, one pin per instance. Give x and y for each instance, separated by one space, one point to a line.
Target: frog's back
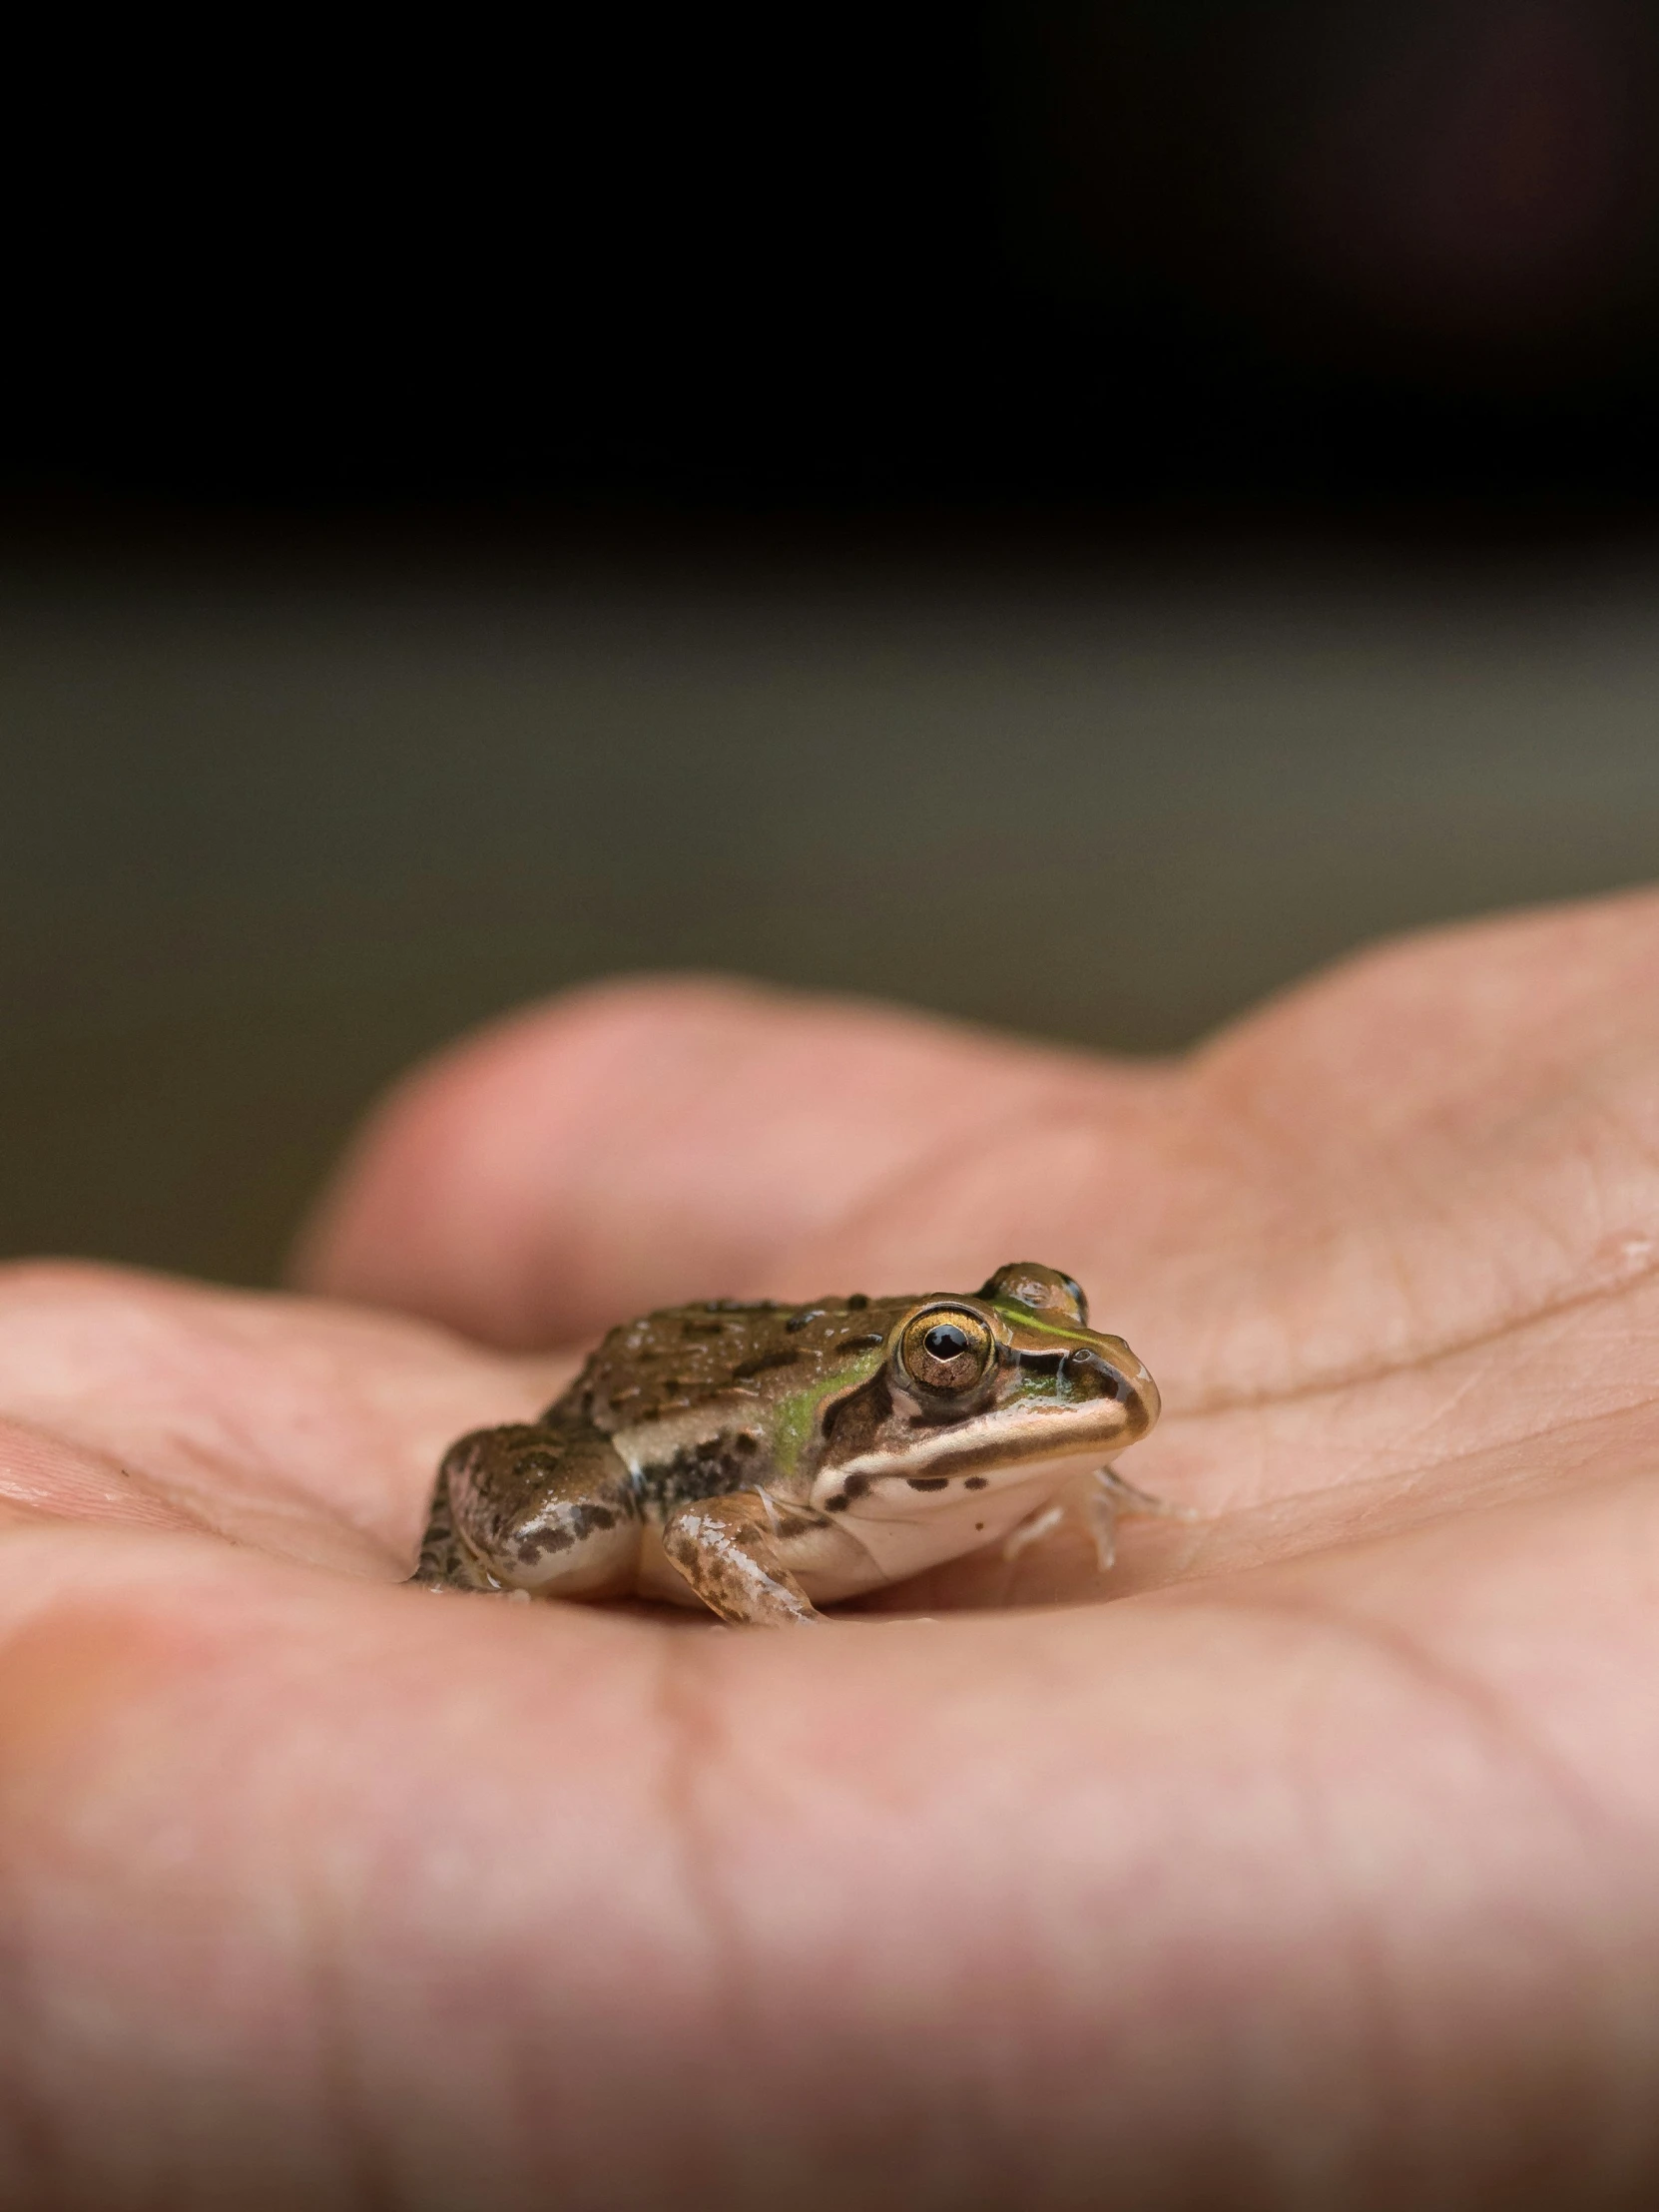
670 1363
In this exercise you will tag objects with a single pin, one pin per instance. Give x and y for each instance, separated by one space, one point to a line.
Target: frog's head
974 1393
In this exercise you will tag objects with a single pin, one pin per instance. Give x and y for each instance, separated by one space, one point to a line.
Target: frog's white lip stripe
989 1444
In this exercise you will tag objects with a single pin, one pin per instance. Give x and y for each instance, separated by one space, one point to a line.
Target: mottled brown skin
756 1456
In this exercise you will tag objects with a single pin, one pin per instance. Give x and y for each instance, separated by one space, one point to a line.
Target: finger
311 1431
1333 1885
1433 1144
639 1145
44 1477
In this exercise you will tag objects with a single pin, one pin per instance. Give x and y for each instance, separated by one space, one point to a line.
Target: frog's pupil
944 1342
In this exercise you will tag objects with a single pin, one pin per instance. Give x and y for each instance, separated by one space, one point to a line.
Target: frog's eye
946 1351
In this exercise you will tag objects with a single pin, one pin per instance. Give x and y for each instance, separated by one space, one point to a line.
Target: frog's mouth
994 1449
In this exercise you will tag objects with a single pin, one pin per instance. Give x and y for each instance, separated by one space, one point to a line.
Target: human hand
1317 1871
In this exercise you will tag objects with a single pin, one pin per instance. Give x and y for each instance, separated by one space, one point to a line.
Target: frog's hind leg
444 1562
1110 1497
727 1549
533 1507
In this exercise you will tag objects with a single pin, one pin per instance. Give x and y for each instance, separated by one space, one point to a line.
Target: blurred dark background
1168 486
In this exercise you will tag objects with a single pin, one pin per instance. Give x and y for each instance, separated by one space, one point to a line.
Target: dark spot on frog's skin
928 1481
744 1440
705 1469
858 1344
702 1327
856 1485
836 1504
760 1362
976 1482
799 1321
579 1525
856 1302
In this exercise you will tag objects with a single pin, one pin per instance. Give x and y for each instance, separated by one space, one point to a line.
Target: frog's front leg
727 1548
528 1508
1110 1497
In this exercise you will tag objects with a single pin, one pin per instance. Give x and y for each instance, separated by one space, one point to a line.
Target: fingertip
451 1200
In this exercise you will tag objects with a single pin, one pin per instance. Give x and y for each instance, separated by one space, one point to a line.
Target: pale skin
1317 1867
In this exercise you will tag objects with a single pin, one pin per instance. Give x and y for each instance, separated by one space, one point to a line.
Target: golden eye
946 1351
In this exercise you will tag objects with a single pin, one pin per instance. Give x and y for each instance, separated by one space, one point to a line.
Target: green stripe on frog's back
730 1359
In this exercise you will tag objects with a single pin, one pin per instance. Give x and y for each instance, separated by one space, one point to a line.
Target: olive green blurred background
276 824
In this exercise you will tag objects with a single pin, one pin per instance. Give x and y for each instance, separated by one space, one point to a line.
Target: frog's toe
1035 1526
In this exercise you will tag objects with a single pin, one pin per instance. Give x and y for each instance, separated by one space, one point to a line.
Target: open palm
1318 1869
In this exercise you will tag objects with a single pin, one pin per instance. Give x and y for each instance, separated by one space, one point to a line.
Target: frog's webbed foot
728 1550
546 1510
1110 1497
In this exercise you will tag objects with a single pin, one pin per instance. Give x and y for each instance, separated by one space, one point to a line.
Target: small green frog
763 1459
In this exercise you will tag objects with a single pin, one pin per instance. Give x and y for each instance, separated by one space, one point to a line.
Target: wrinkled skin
1319 1869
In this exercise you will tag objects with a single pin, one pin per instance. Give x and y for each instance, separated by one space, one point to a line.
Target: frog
762 1460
